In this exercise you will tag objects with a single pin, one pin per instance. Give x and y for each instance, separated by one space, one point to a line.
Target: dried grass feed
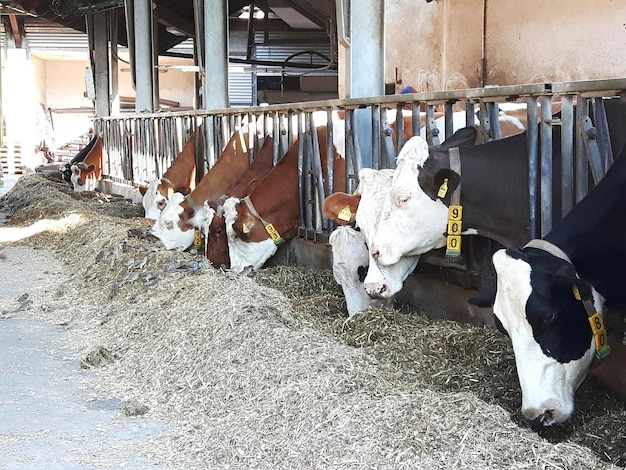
265 371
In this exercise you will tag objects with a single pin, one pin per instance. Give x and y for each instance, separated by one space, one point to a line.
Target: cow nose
540 418
378 290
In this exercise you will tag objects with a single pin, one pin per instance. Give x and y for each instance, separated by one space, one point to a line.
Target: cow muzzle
545 416
377 290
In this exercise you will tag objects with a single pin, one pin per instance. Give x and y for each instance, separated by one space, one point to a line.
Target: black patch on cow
431 175
558 320
362 272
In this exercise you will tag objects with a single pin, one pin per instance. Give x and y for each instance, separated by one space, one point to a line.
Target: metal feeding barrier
370 131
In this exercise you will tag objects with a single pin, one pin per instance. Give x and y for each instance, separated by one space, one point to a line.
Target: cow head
215 235
414 217
83 177
153 201
174 226
549 329
249 244
350 267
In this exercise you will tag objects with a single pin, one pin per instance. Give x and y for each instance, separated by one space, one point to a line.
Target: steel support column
144 57
366 73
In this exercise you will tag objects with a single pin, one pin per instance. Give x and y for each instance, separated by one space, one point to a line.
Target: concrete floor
49 417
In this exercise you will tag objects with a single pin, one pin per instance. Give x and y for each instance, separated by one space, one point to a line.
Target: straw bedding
265 370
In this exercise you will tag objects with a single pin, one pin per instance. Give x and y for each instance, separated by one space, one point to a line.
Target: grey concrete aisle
49 417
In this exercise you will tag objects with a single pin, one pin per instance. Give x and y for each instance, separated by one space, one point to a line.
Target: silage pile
263 371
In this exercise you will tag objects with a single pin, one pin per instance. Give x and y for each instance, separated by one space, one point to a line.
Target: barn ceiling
174 18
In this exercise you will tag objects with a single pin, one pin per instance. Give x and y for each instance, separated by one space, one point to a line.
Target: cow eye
402 200
549 319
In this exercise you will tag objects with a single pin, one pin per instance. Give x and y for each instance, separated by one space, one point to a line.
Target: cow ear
341 207
445 178
566 278
142 190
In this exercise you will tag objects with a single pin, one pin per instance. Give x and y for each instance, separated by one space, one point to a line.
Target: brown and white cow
180 177
269 215
214 225
175 227
86 174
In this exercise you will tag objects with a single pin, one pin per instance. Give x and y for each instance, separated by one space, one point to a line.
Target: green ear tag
443 189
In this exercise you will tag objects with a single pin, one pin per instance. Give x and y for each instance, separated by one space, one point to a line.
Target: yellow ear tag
443 189
345 214
245 229
197 238
576 292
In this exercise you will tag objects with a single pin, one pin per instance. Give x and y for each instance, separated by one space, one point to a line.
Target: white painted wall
439 45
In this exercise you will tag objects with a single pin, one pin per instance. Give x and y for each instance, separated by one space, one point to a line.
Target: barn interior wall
439 45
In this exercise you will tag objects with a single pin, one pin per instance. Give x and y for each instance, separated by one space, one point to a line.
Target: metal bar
533 165
301 168
432 133
602 127
546 164
582 160
330 152
567 153
377 161
399 127
449 119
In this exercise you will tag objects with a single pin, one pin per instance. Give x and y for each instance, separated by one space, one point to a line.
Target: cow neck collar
455 165
167 181
269 228
190 201
548 247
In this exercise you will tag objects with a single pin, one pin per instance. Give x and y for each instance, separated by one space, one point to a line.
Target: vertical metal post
376 126
215 85
567 153
582 163
533 165
449 118
101 63
546 164
144 63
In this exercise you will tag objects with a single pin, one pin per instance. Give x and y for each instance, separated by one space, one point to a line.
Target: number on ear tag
345 214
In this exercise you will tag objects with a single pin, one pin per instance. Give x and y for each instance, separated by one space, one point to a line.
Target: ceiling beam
15 31
168 18
318 14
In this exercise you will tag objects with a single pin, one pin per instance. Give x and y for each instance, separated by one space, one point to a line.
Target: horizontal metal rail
140 147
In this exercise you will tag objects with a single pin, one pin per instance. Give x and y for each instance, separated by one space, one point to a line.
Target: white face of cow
411 222
166 226
350 266
386 281
244 254
153 202
79 182
547 384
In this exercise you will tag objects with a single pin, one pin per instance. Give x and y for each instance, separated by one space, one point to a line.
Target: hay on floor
266 371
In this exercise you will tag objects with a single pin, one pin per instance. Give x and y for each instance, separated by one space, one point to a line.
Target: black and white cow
494 191
538 290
